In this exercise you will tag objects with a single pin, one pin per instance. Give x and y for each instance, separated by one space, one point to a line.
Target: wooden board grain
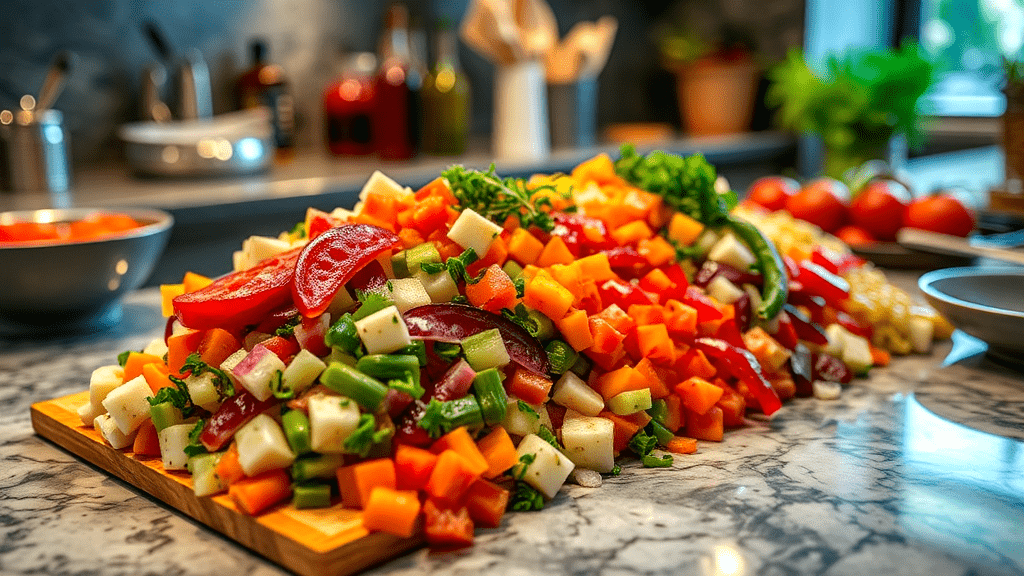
328 541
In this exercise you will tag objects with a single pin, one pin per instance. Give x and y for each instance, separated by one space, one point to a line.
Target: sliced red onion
455 322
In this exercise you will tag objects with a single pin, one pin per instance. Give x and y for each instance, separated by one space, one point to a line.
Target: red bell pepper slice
786 333
232 415
743 365
625 257
818 281
330 260
241 298
804 328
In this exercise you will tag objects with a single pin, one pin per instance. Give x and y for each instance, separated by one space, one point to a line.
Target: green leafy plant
856 105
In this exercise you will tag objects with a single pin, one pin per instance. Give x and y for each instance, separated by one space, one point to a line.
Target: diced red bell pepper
706 309
445 527
622 293
818 281
285 348
786 333
745 367
804 328
625 257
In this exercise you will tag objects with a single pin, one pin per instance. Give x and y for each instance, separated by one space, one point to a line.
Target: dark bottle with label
266 85
396 121
349 107
446 100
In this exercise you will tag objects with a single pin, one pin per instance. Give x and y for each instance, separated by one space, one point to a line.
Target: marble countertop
918 469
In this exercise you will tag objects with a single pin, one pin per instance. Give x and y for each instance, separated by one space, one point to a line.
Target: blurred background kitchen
345 87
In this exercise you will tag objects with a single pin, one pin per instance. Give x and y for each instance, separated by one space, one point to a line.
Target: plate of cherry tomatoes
868 218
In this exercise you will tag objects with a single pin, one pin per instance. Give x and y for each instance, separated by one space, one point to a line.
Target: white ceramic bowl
985 302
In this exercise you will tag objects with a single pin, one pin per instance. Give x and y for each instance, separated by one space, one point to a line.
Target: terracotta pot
717 97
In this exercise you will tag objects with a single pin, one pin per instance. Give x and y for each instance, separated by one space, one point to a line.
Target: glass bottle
349 107
265 84
396 121
446 104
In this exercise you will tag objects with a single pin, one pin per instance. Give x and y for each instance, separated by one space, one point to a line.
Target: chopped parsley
195 447
288 328
521 317
642 443
122 358
652 461
370 302
498 198
365 436
524 407
195 366
178 396
526 498
548 436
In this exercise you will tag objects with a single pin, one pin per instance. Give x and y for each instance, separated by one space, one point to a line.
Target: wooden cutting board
327 541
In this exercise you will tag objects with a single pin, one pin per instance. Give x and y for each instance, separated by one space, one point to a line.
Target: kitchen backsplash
306 37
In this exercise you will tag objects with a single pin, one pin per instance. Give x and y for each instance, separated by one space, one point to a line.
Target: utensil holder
521 112
573 109
34 152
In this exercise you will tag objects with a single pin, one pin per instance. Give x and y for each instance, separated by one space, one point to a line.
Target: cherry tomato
879 208
772 191
855 235
821 202
245 297
331 259
941 213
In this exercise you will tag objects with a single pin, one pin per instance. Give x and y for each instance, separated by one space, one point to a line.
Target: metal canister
34 152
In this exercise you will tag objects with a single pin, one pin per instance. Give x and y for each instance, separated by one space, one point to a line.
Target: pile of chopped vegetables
435 358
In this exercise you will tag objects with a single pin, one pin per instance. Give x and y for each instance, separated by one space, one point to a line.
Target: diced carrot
436 187
597 267
589 298
682 445
136 360
256 494
193 282
229 469
675 416
618 381
446 248
357 481
707 426
656 250
654 342
617 318
461 442
180 346
733 406
157 376
409 236
217 344
575 328
168 292
493 292
606 338
497 253
486 503
710 327
430 213
625 427
147 442
783 384
656 281
695 363
381 208
547 296
600 169
555 252
366 218
451 478
413 467
698 394
568 275
392 511
879 356
683 229
608 361
524 247
632 232
680 318
644 314
653 380
530 386
499 452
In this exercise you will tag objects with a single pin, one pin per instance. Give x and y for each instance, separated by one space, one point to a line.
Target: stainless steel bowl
987 303
51 287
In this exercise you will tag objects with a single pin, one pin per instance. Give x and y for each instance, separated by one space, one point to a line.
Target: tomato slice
242 298
331 259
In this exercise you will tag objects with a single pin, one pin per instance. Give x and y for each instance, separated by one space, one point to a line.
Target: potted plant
856 105
716 78
1013 124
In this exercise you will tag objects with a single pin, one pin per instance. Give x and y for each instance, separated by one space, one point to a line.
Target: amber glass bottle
265 84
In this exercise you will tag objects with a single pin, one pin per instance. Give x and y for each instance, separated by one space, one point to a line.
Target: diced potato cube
549 468
572 392
589 442
472 230
303 370
203 391
128 405
262 446
332 419
439 286
259 248
729 250
110 431
173 441
527 420
383 331
408 293
379 183
156 347
88 413
103 380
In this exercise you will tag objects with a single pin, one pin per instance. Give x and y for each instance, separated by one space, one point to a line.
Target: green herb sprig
498 198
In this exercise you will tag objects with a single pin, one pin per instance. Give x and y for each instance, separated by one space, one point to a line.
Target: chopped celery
485 350
630 402
400 265
491 396
311 495
296 431
323 466
561 356
425 253
165 414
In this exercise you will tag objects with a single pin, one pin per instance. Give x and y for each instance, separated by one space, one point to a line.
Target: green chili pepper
775 286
